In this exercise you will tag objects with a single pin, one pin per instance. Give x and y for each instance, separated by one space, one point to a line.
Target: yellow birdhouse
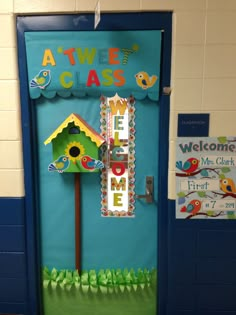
75 146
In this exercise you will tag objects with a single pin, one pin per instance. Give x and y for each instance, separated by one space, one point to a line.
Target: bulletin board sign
103 63
205 178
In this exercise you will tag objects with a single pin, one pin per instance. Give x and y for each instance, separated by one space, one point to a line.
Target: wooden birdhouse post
78 143
75 146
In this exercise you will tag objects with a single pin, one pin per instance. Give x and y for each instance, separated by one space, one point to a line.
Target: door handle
149 190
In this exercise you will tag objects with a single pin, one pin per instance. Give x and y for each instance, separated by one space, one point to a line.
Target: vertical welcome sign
117 125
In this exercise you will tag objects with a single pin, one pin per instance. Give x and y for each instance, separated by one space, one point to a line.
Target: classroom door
119 254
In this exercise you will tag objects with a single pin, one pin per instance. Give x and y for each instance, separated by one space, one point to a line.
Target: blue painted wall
13 269
201 266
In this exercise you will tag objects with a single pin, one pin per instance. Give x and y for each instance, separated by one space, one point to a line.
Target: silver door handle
149 190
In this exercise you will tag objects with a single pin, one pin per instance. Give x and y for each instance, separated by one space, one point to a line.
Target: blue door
119 255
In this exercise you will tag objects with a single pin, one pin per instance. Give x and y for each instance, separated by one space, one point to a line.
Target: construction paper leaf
141 276
129 288
181 194
60 276
181 201
77 285
84 278
222 140
120 279
225 170
76 277
69 276
94 289
147 275
122 287
201 194
142 285
221 176
62 285
128 278
204 172
46 274
231 215
68 287
54 284
103 289
110 289
53 274
85 288
106 281
46 283
210 213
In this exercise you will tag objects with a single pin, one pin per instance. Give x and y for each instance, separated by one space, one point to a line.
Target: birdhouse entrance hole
74 151
74 130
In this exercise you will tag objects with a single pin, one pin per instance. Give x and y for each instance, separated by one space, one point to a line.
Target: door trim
109 21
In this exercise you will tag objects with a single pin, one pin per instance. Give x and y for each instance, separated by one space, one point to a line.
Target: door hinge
167 90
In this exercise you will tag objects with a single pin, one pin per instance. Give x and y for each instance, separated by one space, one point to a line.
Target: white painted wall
203 70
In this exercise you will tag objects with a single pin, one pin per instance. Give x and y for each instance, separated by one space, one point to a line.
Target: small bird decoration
227 185
189 166
41 80
60 165
90 164
144 80
193 207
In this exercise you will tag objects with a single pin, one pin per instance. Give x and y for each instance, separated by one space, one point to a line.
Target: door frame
109 21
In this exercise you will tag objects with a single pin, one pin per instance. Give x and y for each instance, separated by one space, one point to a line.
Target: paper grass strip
118 156
109 280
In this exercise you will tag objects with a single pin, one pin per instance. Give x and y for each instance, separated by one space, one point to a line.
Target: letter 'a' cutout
118 155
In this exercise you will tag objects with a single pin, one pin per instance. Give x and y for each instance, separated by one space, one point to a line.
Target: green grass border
108 280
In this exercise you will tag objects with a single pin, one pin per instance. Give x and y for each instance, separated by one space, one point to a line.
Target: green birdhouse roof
82 124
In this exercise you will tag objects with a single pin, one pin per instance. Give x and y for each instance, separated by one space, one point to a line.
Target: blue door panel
201 265
216 243
179 266
212 271
182 242
216 297
12 238
12 265
12 290
13 308
12 211
215 312
181 297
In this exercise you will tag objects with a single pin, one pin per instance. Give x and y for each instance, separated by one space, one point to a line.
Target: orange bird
227 185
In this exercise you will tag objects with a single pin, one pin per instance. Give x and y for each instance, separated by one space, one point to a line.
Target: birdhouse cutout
75 146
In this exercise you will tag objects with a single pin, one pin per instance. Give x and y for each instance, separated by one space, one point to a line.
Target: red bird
193 207
90 164
189 166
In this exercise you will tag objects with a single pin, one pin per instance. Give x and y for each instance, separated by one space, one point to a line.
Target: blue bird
60 165
41 80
